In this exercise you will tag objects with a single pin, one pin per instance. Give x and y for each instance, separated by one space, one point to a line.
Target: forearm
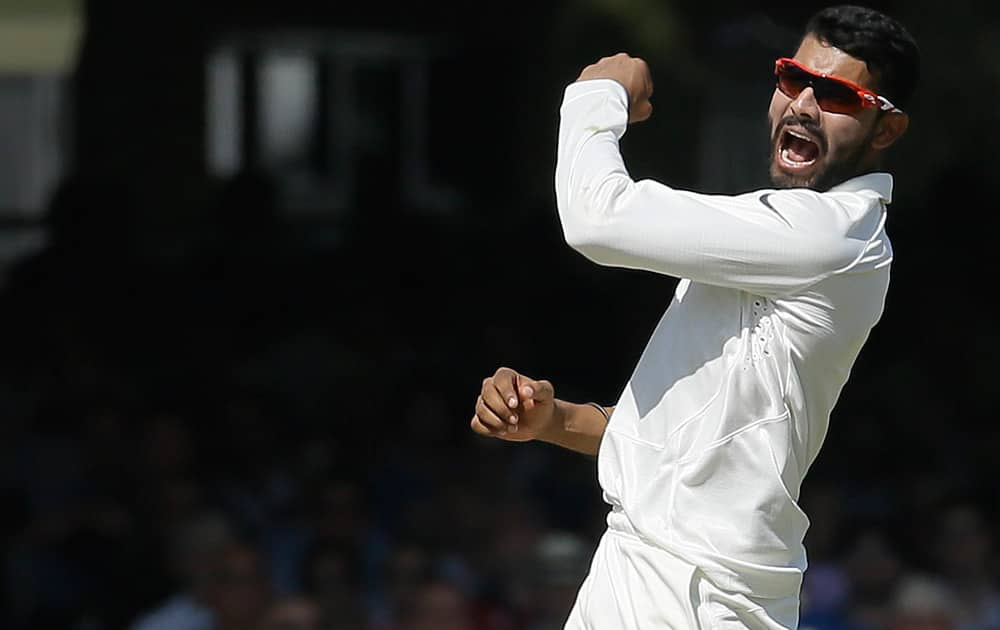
576 427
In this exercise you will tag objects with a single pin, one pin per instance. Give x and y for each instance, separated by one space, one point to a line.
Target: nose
804 105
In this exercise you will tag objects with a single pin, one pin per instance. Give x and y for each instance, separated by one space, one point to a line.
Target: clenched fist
512 406
633 74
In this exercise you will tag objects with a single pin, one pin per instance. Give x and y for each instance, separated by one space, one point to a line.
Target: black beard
827 175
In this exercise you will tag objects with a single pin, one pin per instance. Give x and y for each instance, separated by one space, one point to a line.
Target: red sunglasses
833 94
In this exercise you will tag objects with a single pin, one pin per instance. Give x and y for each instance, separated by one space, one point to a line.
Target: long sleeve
768 242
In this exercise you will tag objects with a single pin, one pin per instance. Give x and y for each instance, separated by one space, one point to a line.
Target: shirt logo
765 199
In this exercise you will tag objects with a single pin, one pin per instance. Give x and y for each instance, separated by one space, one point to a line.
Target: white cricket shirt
730 401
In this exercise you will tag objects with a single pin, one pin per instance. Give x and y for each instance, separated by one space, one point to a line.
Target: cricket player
702 457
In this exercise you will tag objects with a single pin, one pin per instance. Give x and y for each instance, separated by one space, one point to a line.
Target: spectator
561 560
436 605
239 589
193 553
825 592
874 569
293 612
965 555
922 603
333 583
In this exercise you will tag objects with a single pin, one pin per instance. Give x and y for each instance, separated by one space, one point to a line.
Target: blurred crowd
266 432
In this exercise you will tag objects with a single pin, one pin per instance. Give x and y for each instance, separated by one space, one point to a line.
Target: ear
889 128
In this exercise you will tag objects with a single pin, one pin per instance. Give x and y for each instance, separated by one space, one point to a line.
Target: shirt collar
880 183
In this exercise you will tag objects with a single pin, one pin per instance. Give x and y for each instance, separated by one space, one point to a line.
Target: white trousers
635 586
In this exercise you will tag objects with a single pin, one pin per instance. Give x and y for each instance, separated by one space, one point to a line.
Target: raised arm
766 242
517 408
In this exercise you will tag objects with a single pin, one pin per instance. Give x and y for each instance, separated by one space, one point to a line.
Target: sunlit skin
849 144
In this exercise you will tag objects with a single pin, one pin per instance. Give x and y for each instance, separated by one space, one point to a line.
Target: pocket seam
730 437
635 439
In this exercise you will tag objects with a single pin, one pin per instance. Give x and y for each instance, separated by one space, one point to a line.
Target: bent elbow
590 241
578 225
578 234
589 221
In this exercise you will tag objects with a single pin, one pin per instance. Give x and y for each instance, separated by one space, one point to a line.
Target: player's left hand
515 407
633 74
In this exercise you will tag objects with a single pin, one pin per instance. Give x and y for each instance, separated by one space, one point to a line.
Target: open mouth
797 150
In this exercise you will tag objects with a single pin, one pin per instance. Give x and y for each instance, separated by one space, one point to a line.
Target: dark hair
880 41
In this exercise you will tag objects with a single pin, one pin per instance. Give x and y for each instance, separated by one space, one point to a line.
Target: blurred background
256 257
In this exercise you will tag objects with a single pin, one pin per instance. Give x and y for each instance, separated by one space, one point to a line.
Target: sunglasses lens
831 96
837 98
792 80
